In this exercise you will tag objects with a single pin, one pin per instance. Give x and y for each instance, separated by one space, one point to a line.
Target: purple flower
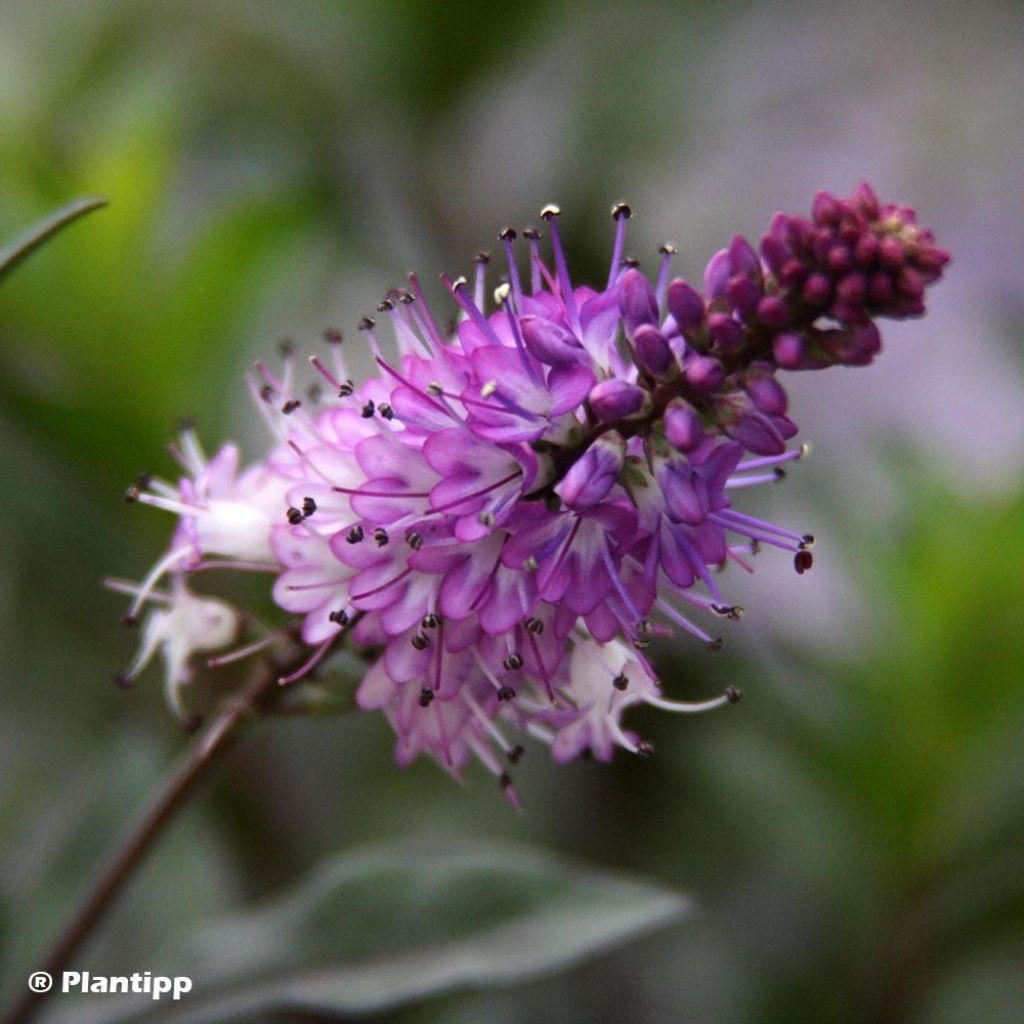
509 512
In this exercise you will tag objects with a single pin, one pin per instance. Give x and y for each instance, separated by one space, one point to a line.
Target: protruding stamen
508 237
550 213
730 696
308 666
621 212
533 236
668 250
244 652
481 260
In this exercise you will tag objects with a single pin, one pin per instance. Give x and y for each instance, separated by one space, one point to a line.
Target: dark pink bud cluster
854 260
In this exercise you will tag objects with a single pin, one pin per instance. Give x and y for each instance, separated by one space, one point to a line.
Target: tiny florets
510 511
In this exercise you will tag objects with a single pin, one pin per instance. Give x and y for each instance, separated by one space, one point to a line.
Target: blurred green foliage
852 832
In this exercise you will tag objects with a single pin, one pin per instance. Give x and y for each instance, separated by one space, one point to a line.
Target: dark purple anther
637 301
617 400
652 351
685 305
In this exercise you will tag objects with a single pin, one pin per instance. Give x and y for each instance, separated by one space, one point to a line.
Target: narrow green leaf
23 247
393 924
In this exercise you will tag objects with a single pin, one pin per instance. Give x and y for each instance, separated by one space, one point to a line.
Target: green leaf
21 248
392 924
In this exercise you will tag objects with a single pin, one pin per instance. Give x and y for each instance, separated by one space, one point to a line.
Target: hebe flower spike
511 511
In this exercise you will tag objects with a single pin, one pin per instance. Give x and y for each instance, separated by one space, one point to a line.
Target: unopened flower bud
637 301
549 341
652 351
817 289
774 251
683 427
825 209
767 393
717 274
725 332
705 374
618 399
771 311
789 350
759 432
685 305
594 473
743 259
743 294
684 489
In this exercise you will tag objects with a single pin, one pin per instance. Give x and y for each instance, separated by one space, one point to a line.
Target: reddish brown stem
191 770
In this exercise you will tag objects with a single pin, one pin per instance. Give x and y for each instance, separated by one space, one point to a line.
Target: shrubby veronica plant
513 508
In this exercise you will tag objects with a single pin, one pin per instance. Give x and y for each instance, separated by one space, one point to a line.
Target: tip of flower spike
622 211
131 494
733 695
550 211
123 681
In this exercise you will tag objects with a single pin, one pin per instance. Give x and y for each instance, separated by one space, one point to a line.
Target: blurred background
851 834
